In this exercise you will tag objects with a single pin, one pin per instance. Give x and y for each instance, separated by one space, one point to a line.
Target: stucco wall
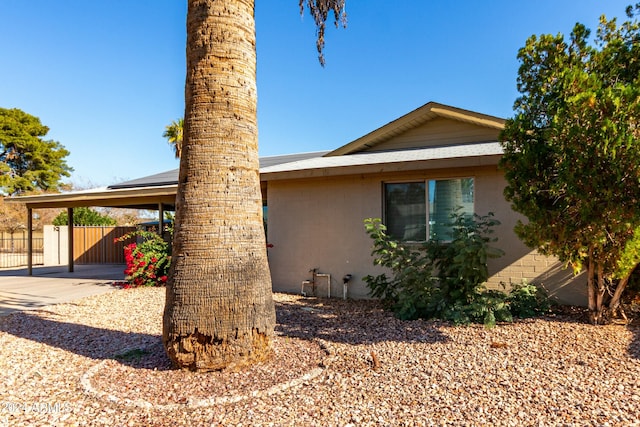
56 245
318 223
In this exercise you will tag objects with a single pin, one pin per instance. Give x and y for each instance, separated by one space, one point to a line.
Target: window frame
427 213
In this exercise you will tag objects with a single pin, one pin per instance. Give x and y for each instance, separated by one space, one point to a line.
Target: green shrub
446 280
527 300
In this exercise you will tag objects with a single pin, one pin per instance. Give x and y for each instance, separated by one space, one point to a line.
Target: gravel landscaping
99 361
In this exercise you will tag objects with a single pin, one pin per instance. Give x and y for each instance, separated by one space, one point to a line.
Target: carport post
70 231
161 219
30 241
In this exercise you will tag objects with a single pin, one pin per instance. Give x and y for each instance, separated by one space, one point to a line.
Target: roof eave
141 198
379 168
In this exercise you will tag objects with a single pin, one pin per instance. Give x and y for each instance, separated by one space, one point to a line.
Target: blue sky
107 76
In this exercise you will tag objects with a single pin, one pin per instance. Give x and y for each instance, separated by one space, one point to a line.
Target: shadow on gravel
132 349
351 322
634 346
580 315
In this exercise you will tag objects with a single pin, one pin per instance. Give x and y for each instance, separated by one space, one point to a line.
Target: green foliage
572 150
174 134
27 161
84 216
443 280
527 300
148 261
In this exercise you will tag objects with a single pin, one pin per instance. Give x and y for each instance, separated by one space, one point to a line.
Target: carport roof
142 193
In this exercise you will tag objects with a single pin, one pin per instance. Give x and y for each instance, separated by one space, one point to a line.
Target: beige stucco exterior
318 223
315 216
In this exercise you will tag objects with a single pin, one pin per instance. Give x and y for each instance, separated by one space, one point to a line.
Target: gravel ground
99 361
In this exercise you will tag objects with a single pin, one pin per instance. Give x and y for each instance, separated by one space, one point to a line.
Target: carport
154 192
150 193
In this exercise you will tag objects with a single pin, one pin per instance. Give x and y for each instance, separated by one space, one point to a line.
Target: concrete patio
54 285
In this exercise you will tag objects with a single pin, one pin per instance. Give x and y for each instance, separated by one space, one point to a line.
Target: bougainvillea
147 260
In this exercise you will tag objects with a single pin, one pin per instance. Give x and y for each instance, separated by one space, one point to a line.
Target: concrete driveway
53 285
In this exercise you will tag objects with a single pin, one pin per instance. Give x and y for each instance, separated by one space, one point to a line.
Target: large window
417 211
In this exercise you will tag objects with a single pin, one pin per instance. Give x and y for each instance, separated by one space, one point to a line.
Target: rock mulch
99 361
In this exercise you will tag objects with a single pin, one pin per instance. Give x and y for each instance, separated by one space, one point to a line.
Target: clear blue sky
106 76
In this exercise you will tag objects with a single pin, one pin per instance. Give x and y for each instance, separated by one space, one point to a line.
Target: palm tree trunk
219 310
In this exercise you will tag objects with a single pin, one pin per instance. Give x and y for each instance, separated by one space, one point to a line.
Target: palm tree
219 311
173 133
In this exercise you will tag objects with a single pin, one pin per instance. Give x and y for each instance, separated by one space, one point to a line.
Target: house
409 172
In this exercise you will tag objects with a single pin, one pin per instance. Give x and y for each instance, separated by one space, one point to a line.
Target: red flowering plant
147 260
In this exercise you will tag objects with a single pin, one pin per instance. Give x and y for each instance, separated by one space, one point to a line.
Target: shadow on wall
563 286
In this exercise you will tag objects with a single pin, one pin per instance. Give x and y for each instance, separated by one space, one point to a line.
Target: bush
446 280
527 300
147 262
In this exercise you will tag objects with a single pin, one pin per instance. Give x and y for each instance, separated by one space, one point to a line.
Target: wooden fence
95 245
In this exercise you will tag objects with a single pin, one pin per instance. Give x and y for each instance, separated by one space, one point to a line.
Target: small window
415 211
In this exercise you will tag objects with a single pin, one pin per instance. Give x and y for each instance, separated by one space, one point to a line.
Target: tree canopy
572 153
12 217
28 162
173 132
84 216
320 10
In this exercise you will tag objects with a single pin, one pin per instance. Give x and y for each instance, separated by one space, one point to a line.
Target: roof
171 177
414 119
142 193
475 154
151 191
137 198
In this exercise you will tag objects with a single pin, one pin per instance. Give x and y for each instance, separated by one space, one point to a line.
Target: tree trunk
614 305
591 287
219 310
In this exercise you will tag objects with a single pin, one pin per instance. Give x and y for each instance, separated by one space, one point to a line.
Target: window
415 211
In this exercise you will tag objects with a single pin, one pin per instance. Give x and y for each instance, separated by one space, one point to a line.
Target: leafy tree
12 217
572 154
27 161
84 216
219 310
173 133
